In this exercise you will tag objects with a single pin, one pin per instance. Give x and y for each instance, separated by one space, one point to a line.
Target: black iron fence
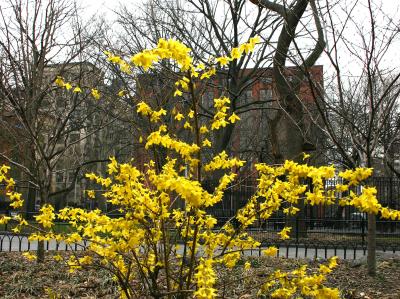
319 229
322 224
20 242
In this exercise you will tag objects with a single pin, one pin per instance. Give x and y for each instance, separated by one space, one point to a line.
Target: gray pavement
21 243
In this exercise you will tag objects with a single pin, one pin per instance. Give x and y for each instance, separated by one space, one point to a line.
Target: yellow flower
284 233
328 293
144 109
144 59
29 256
4 219
16 200
208 74
177 93
187 125
58 258
179 116
201 66
333 262
210 222
255 40
59 81
205 279
247 266
324 269
223 60
306 156
236 53
206 142
341 188
95 93
270 251
233 118
203 130
91 193
77 89
222 161
121 93
247 48
68 86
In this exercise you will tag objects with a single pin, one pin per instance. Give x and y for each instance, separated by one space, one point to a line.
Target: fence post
362 230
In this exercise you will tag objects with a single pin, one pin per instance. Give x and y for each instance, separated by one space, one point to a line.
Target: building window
266 80
59 177
71 176
208 99
265 94
246 97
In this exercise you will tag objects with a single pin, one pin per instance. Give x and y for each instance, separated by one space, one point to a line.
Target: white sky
104 8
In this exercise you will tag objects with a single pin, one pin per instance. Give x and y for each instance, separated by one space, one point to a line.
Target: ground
20 278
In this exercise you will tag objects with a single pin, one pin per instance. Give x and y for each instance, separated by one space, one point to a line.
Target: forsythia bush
165 244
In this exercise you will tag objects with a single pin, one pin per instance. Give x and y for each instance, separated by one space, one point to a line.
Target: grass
59 227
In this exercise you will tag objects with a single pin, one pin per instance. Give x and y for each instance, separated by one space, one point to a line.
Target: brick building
258 106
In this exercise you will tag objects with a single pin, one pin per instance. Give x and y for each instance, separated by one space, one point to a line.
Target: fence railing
20 242
320 229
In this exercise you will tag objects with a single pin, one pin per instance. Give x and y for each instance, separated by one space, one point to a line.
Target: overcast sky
105 9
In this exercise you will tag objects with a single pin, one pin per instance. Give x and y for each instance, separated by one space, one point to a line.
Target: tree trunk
40 252
371 246
371 237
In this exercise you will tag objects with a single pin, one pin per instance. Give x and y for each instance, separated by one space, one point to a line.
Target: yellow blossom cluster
298 282
15 197
356 176
124 66
237 53
59 81
221 161
221 107
166 49
46 216
206 278
149 205
145 110
186 151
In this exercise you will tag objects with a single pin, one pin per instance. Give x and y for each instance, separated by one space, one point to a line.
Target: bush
165 244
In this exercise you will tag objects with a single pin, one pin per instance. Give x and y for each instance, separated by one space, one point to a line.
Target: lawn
59 227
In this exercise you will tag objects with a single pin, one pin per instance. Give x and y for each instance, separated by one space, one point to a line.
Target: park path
21 243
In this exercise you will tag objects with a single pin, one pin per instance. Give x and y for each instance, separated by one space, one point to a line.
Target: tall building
72 134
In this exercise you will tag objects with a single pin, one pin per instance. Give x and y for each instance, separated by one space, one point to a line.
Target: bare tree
50 126
359 107
213 28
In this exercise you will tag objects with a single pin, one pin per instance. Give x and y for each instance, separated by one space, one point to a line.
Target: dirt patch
20 278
